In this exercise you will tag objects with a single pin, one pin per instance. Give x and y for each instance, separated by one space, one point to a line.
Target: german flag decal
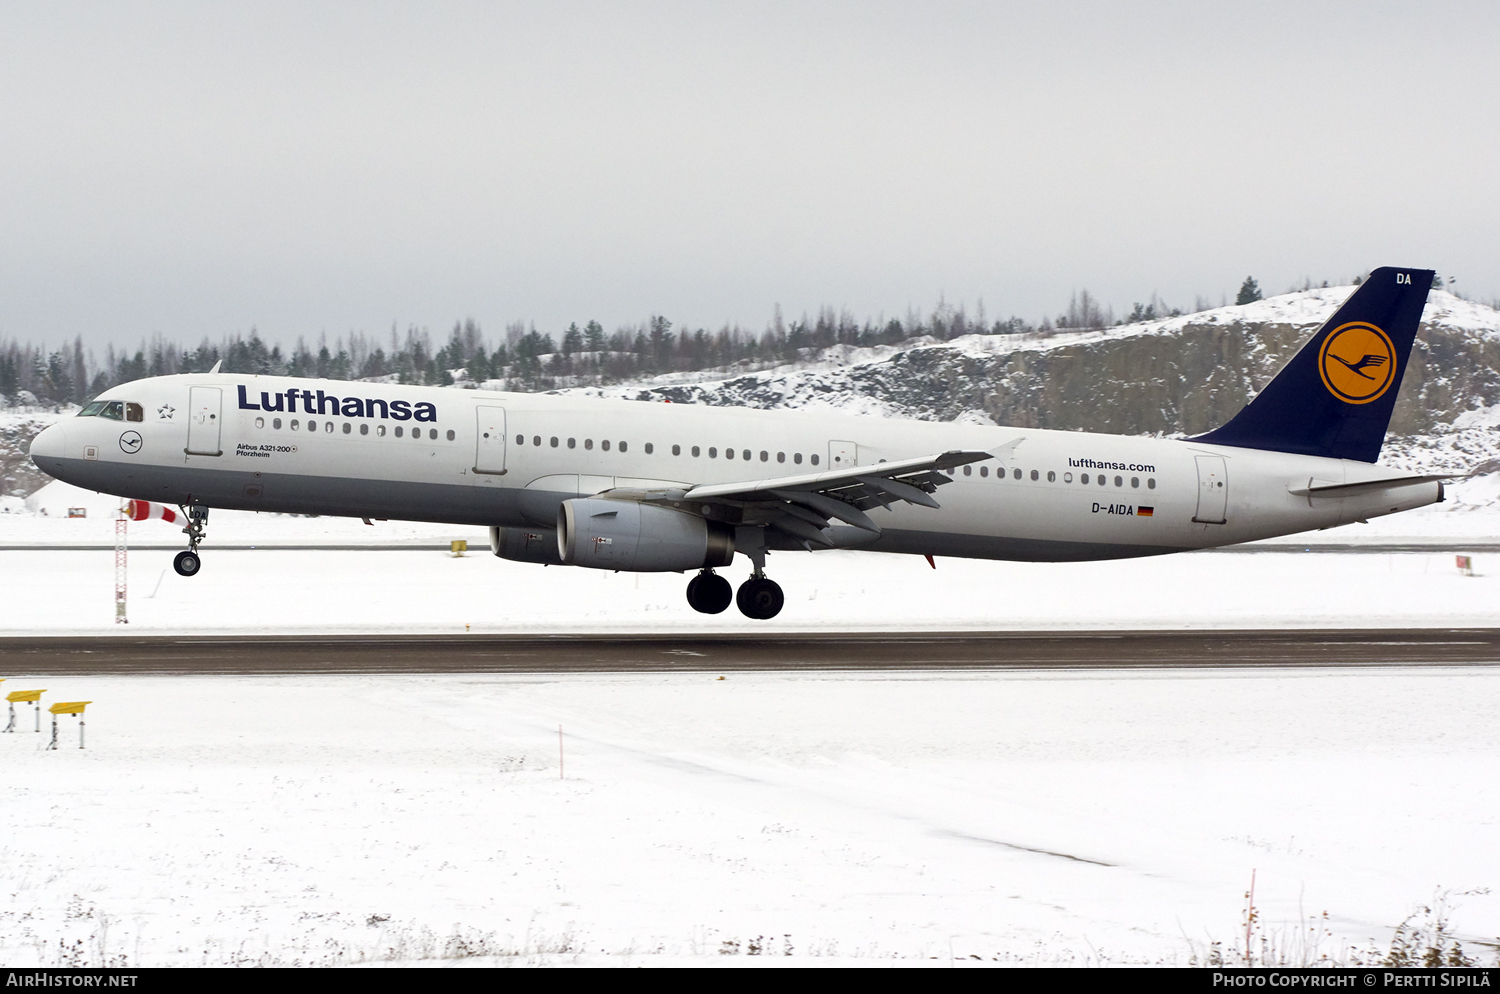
1142 511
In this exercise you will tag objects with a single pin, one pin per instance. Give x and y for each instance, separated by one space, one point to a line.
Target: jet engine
640 538
525 545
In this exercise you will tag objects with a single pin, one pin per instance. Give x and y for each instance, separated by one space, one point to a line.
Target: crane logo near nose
130 442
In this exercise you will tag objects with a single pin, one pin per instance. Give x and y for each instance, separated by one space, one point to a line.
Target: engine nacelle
640 538
525 545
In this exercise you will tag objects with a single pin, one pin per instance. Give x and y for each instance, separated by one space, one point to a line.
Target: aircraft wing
803 506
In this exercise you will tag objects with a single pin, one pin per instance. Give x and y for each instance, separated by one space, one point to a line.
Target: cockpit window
112 409
133 412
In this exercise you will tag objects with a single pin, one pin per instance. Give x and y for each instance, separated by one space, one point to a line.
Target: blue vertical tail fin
1334 398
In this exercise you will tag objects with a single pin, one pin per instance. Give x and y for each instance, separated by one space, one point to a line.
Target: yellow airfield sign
69 707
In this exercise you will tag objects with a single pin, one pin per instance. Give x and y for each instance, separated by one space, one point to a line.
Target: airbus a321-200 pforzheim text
622 485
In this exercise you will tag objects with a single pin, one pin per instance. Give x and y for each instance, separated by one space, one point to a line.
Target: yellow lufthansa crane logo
1358 362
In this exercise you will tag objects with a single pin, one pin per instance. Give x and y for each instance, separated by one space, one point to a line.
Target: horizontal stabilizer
1316 489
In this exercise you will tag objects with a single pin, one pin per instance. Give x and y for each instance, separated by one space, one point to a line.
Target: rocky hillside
1179 376
18 474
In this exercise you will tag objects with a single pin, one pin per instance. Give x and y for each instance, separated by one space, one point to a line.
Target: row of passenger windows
695 451
327 427
1100 478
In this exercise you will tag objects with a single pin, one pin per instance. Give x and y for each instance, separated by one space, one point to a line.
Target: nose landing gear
709 593
188 563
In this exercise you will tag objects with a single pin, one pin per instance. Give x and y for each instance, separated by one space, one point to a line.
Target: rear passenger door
1213 491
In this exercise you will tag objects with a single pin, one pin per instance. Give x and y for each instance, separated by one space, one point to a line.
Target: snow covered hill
18 474
1180 375
1177 376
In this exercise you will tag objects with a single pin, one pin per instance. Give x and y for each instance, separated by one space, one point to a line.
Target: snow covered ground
1024 818
268 590
425 589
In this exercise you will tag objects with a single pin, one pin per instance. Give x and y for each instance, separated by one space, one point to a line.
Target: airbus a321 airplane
621 485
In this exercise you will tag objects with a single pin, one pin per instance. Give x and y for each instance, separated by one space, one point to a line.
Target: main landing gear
759 597
709 593
188 563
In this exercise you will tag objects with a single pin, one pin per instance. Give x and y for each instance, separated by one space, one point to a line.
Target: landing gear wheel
709 593
187 563
760 598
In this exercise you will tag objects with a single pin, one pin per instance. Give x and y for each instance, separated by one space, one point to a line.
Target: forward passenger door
489 441
203 421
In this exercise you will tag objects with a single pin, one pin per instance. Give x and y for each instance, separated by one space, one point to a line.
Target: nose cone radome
49 448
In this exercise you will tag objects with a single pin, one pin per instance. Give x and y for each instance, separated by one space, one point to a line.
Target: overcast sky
200 168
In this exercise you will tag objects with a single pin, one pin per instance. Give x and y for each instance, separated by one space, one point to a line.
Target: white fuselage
441 454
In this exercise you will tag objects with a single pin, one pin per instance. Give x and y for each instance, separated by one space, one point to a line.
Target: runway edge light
74 708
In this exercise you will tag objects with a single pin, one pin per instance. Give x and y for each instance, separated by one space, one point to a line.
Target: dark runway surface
480 547
727 653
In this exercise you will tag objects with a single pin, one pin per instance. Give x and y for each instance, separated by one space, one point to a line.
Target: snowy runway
912 652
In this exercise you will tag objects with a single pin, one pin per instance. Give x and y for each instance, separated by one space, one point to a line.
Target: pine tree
593 337
572 340
1249 291
479 365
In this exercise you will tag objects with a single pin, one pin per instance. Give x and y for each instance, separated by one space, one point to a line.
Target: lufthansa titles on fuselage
1131 467
318 402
